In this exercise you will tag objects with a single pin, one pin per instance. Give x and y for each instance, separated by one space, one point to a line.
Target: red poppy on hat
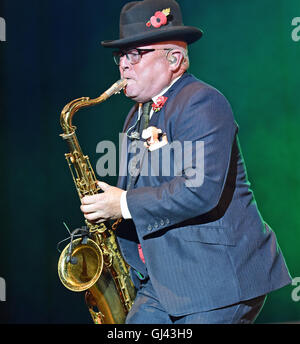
159 18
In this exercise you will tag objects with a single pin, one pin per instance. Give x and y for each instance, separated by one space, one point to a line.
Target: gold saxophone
93 262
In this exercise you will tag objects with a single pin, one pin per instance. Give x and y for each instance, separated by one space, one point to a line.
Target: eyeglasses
133 56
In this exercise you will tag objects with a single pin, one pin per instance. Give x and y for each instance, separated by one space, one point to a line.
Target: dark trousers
148 310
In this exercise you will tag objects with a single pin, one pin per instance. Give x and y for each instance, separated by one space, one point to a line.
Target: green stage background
52 54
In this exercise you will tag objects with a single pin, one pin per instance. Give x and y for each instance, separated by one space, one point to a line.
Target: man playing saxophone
198 248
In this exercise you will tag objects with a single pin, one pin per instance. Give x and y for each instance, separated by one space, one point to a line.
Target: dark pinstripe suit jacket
205 246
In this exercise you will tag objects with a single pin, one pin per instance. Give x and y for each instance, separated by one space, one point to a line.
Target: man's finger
91 199
88 208
93 216
103 186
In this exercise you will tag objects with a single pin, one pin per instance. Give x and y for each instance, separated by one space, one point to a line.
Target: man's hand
104 206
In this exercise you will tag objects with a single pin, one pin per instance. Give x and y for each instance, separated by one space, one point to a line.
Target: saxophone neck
69 111
71 108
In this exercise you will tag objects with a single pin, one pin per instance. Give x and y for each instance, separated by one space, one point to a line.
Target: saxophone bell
81 262
88 265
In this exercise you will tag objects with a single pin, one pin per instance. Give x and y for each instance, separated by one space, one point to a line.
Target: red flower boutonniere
159 18
160 102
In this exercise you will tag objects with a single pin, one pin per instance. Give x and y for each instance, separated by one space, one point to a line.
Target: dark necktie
131 180
144 121
145 116
143 125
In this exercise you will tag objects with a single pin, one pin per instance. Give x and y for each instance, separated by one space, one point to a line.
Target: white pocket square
154 137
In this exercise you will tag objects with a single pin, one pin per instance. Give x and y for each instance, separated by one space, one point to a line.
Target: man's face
147 77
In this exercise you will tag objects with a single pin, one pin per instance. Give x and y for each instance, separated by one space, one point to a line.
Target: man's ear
175 58
172 59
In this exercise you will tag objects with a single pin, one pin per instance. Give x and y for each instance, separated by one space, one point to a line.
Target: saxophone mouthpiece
116 87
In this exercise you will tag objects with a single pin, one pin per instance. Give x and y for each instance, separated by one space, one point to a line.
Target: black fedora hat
151 21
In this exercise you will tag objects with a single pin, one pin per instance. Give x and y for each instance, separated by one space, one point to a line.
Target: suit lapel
156 116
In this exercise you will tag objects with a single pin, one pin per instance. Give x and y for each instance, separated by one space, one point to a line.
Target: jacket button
149 227
155 225
162 222
167 221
